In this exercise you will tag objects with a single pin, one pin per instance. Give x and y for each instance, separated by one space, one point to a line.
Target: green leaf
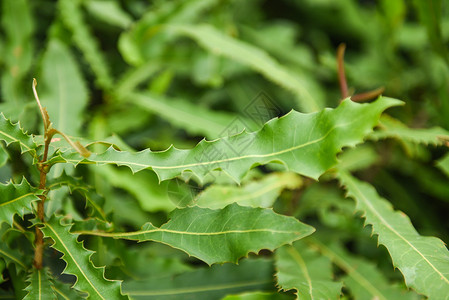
443 164
93 200
144 186
17 55
194 118
16 199
65 92
261 193
90 279
109 12
41 286
13 133
363 278
258 296
424 261
65 292
304 143
255 58
219 236
304 270
12 256
72 16
392 128
206 283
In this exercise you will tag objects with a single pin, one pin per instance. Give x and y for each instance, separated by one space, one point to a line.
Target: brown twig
341 71
368 95
43 170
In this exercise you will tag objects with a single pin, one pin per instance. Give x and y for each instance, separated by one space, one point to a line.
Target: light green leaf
219 236
206 283
363 278
13 133
443 164
2 268
16 199
392 128
90 279
258 296
304 270
72 16
143 186
41 286
109 12
65 92
4 156
255 58
303 143
261 193
358 158
17 54
194 118
424 261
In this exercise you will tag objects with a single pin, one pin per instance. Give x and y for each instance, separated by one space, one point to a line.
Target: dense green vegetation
210 149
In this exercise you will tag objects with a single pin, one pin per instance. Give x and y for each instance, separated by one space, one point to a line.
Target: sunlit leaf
261 193
304 143
13 133
424 261
219 236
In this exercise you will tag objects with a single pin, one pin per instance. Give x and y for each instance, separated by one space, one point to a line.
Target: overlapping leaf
41 286
304 143
307 272
206 283
253 57
219 236
424 261
65 93
16 199
260 193
363 279
392 128
90 279
192 117
72 17
12 133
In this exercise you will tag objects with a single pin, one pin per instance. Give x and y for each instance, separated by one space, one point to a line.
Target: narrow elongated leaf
363 278
424 261
304 270
206 283
260 193
13 133
72 17
219 236
193 118
41 286
2 267
392 128
109 12
17 54
65 93
90 279
258 296
218 43
16 199
305 143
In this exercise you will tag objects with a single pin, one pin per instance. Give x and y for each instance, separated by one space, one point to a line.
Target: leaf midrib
302 265
379 216
74 260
